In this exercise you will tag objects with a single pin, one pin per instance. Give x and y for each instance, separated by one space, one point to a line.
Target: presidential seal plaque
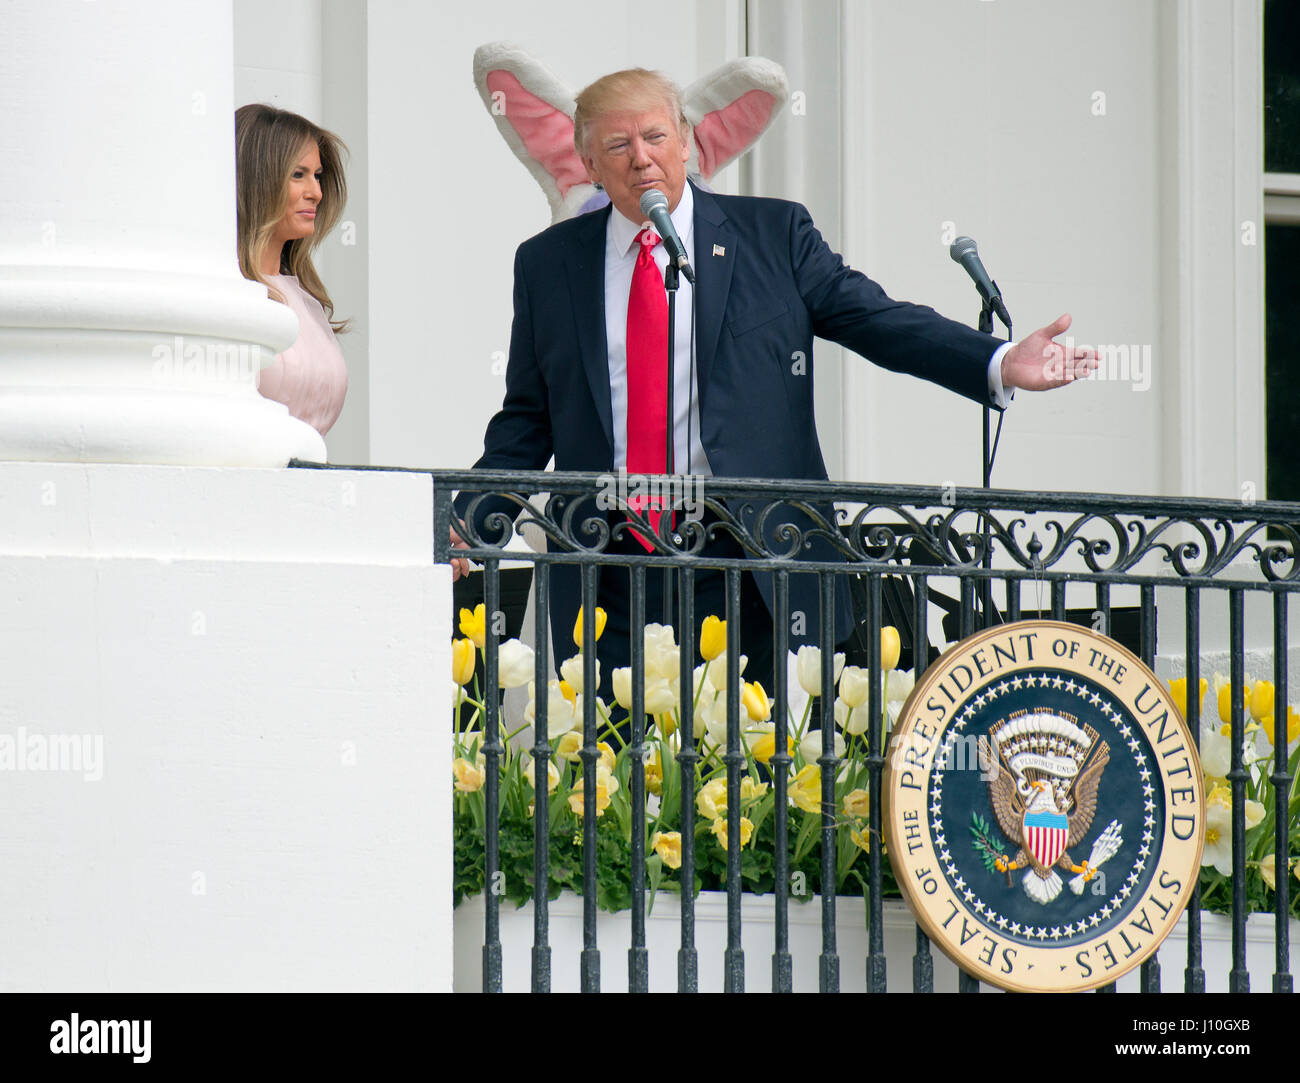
1044 807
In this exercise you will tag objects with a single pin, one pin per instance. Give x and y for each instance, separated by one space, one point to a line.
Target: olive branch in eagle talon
985 844
1043 788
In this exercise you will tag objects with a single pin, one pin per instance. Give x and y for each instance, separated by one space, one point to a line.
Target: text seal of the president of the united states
1045 810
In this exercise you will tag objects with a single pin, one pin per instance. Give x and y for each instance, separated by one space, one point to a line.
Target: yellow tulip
1178 690
667 724
568 747
857 803
806 788
463 658
568 692
601 618
1268 871
469 776
757 705
890 647
1292 725
751 790
606 756
552 776
765 747
668 845
713 638
1261 701
719 830
474 625
606 787
654 777
863 842
1225 704
712 799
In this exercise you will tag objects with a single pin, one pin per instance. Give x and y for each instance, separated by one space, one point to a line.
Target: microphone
966 252
654 205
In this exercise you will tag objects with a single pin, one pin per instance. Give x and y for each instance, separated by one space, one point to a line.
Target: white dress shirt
620 260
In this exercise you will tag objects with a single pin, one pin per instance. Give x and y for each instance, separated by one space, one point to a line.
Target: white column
127 333
1212 222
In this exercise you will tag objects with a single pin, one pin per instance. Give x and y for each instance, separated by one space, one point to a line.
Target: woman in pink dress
291 194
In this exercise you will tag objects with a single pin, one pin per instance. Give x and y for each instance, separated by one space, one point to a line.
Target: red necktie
647 375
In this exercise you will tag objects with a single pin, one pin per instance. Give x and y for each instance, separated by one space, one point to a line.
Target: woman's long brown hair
268 144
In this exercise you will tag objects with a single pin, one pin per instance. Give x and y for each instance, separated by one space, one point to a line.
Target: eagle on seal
1043 773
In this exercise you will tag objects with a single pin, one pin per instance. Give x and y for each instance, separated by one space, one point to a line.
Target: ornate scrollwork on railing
1037 533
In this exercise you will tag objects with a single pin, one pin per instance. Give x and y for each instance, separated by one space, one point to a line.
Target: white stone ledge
216 513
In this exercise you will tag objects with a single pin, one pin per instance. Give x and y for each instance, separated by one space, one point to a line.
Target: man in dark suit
766 285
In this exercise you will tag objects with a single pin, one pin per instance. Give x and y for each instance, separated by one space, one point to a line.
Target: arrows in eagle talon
1106 846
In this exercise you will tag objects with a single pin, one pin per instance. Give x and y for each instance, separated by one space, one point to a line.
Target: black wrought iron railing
1183 582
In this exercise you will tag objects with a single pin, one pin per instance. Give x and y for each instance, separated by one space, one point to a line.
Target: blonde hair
633 90
268 145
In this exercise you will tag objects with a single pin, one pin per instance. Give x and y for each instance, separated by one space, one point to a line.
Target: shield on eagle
1045 834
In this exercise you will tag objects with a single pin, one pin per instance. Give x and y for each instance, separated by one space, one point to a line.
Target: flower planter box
663 937
1216 954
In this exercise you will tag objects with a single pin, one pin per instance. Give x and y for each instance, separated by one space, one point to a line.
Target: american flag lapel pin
718 250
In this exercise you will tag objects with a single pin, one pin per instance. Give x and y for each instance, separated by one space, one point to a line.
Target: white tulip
1216 752
811 746
718 670
660 695
898 685
515 664
571 671
809 668
662 655
708 709
560 715
855 686
621 679
852 720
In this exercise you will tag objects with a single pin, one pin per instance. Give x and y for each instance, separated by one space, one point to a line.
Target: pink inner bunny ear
724 133
546 132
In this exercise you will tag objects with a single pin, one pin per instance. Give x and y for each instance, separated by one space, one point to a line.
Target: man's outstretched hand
1037 363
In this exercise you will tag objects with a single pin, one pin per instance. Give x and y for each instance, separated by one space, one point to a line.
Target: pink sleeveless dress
310 377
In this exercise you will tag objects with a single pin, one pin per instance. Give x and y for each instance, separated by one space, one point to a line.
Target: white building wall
1036 130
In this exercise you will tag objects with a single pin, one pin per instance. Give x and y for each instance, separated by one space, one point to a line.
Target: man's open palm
1037 363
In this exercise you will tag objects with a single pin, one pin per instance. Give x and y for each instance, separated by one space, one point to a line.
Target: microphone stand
672 280
986 587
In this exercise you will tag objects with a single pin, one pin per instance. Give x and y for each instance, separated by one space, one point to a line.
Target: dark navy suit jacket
758 307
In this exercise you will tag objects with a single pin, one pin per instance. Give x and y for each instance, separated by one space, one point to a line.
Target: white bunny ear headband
728 110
